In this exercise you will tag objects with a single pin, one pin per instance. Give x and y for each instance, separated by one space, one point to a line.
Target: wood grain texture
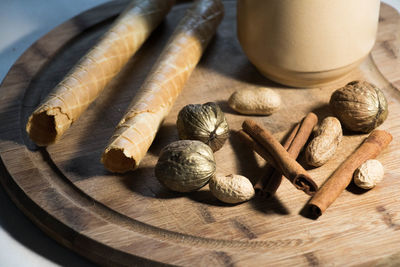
131 219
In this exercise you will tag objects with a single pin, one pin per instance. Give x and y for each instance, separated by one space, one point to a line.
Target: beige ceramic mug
306 42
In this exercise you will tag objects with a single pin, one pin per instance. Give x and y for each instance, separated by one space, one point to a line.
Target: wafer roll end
46 125
116 160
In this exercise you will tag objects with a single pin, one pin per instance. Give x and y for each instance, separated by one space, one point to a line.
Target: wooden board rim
18 195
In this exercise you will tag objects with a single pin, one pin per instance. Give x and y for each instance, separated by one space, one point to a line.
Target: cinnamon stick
271 149
270 181
341 178
294 144
254 145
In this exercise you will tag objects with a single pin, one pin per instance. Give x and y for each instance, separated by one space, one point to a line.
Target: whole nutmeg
231 188
203 122
360 106
185 165
369 174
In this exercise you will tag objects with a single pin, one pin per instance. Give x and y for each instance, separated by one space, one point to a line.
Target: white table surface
22 23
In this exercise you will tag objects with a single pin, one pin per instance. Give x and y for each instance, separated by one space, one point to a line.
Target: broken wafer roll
377 141
137 129
270 148
80 87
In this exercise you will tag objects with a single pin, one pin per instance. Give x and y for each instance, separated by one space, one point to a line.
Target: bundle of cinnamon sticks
281 158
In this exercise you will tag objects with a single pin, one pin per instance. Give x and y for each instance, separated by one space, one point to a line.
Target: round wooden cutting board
131 219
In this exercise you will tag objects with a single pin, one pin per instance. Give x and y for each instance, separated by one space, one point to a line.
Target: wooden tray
131 219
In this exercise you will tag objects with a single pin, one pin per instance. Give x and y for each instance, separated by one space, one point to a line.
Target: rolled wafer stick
289 167
137 129
80 87
341 178
294 144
